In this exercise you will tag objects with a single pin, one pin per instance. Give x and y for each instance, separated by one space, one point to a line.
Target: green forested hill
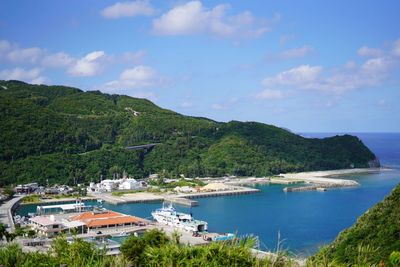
370 241
64 134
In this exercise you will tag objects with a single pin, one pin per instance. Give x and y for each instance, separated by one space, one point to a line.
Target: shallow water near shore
304 220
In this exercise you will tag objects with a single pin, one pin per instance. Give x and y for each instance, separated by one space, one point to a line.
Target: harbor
264 198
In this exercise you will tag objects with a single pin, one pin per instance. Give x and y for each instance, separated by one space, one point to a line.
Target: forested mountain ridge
64 134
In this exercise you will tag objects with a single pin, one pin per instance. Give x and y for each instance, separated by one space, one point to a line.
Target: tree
9 191
3 231
155 238
133 249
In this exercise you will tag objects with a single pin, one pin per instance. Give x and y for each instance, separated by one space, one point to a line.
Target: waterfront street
5 212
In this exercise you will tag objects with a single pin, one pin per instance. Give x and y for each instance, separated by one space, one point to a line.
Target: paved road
5 214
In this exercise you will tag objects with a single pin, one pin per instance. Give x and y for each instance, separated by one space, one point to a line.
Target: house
129 184
26 188
46 225
109 185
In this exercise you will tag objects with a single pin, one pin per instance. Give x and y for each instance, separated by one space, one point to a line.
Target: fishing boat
169 216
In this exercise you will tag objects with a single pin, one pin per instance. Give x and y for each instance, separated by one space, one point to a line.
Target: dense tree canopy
62 134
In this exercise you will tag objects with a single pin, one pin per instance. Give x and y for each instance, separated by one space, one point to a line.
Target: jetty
235 191
180 198
304 188
182 201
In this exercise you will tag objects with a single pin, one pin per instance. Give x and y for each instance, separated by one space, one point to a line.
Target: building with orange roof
101 220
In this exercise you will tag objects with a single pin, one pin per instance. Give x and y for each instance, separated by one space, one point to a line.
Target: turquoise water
304 220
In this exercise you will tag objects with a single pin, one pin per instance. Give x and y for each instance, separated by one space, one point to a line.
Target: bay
301 221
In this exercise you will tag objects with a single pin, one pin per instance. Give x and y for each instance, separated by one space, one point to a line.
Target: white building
129 184
46 226
116 184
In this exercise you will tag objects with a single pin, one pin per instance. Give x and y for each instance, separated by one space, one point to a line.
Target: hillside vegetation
62 134
373 240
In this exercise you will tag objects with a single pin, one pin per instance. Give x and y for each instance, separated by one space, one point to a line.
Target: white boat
169 216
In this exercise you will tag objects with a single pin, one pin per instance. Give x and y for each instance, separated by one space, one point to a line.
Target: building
109 185
78 206
49 226
129 184
107 220
46 226
26 188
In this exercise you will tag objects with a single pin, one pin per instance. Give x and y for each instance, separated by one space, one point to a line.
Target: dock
141 197
305 188
236 191
181 199
299 189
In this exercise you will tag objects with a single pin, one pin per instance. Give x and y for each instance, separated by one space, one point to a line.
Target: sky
305 65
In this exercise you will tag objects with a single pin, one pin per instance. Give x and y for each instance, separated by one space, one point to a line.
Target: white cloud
193 18
89 65
271 94
396 48
57 60
137 77
296 52
128 9
30 75
369 52
27 55
371 73
302 75
4 46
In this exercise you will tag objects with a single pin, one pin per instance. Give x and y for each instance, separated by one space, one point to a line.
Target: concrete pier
182 201
299 189
236 191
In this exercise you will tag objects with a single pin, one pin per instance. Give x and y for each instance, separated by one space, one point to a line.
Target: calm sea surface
304 220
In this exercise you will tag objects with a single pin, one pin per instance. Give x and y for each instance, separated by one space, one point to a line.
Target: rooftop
115 220
108 217
96 215
43 220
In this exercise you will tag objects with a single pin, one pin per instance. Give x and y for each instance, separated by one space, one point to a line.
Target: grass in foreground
153 249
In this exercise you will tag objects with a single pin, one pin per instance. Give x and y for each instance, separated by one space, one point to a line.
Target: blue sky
309 66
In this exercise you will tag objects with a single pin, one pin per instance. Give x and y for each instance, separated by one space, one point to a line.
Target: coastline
330 177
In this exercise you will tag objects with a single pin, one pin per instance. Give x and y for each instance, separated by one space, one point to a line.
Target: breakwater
304 188
181 199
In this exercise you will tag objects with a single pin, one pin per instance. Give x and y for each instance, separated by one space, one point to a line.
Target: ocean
300 222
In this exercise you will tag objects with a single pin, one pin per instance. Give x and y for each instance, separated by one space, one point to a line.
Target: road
5 212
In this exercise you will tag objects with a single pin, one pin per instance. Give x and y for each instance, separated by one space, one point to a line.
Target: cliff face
64 134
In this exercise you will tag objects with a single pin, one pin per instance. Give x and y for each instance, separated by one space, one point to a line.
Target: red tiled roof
93 215
93 219
110 221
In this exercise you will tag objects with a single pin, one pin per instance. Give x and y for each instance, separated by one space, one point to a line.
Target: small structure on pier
78 206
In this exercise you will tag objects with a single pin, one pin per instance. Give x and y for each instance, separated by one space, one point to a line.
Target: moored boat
169 216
